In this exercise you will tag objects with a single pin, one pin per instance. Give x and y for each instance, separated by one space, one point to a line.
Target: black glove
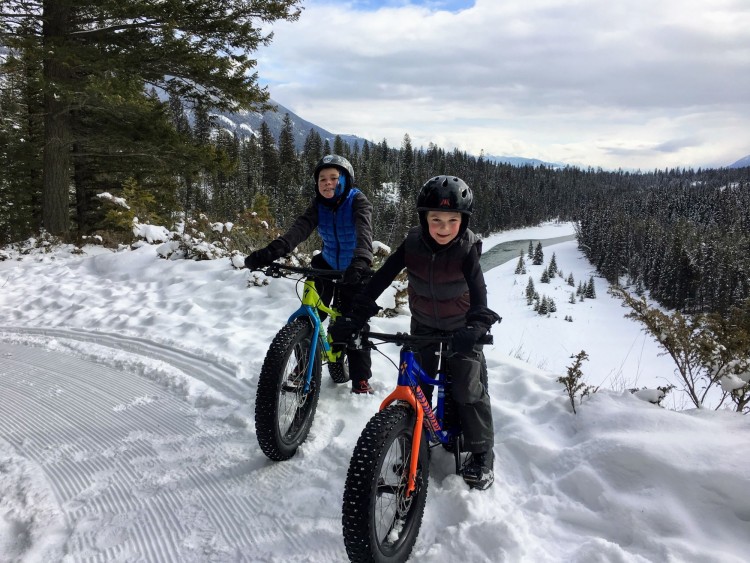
358 270
364 308
349 324
482 316
464 339
264 256
345 329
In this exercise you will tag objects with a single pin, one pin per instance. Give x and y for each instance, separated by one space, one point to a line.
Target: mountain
521 161
741 163
248 123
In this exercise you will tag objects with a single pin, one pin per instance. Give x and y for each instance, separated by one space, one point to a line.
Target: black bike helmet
445 193
345 169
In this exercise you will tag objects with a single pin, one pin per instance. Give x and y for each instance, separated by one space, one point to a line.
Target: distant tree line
682 235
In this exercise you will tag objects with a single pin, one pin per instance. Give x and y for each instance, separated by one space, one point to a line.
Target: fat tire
339 371
275 405
388 432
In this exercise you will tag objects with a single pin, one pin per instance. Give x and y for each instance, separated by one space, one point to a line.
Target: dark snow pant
468 388
360 362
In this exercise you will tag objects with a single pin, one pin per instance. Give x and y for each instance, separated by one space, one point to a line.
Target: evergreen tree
312 152
552 268
590 292
21 134
543 306
292 197
94 55
538 255
340 147
531 251
545 276
521 265
530 291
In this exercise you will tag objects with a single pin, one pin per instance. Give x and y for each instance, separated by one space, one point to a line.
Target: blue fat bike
386 484
289 381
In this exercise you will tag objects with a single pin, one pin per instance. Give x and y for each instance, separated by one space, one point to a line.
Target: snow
127 430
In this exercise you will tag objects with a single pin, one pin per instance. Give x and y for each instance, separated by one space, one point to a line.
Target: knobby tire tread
339 371
359 491
270 386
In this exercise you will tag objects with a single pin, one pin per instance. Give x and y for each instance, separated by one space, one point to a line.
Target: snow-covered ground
127 429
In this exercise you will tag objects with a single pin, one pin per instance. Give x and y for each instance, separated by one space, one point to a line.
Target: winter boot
362 387
477 470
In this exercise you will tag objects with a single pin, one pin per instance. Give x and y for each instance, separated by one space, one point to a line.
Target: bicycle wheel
283 411
339 371
380 522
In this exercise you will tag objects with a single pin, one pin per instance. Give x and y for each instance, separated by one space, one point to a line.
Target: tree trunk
56 156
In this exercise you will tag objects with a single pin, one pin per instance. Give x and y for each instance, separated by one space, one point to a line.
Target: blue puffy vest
336 228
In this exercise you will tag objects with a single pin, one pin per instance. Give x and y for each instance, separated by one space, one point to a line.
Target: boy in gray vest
447 296
343 216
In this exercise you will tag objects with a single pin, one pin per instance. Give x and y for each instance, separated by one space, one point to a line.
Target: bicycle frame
410 373
311 303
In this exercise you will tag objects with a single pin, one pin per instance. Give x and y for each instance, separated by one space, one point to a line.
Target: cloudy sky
633 84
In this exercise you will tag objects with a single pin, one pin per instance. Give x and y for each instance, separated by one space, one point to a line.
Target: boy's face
443 225
328 179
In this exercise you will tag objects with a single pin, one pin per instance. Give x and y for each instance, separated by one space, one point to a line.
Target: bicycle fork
412 394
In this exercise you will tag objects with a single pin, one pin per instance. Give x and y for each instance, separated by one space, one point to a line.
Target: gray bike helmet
344 167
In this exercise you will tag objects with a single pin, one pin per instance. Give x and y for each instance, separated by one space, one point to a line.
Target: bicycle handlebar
402 338
275 270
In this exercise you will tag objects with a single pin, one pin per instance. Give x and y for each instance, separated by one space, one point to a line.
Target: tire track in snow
218 374
139 474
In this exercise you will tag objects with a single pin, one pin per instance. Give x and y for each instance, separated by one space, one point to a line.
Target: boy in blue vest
343 216
447 297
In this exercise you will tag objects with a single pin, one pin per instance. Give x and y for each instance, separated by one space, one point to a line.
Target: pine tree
545 276
530 291
531 251
571 281
521 266
292 198
552 266
97 58
552 305
312 152
590 292
538 255
543 306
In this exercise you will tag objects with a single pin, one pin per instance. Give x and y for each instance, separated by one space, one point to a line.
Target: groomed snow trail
175 479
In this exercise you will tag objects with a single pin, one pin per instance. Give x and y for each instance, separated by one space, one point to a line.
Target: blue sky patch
449 5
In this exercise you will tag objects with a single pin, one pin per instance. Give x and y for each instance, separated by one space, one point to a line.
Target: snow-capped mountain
248 123
741 163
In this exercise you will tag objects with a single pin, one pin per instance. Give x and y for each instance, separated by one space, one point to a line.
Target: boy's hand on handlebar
357 271
464 339
345 329
265 256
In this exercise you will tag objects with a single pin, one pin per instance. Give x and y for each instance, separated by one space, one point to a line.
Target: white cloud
587 82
